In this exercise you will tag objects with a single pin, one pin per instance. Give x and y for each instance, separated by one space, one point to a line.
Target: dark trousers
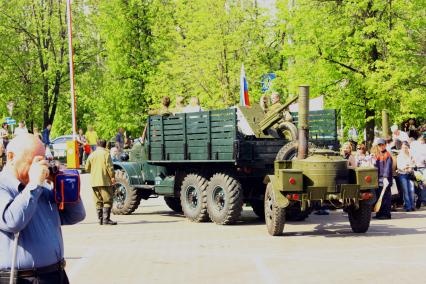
56 277
385 209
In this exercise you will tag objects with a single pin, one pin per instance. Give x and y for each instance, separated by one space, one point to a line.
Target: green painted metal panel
200 156
222 142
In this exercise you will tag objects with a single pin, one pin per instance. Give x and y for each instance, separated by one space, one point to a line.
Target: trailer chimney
302 152
385 123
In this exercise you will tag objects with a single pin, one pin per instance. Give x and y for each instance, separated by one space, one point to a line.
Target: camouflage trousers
102 196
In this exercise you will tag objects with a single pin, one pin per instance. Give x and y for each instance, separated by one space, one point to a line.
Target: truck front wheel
224 199
360 217
126 198
193 198
274 216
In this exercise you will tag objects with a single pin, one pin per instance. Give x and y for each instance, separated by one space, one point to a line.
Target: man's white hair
24 144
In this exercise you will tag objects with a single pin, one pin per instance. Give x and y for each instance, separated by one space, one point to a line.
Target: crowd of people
401 161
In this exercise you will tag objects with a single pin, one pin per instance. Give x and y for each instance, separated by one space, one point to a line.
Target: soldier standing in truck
165 102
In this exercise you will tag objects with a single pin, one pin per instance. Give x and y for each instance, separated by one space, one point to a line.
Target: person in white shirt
405 167
398 134
21 129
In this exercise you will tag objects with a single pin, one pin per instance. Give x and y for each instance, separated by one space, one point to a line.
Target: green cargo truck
208 164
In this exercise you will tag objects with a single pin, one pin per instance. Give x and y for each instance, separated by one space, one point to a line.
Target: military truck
320 177
208 164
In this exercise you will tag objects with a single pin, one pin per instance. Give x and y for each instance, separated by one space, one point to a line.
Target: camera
66 184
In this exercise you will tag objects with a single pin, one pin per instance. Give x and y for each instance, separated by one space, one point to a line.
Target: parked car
58 146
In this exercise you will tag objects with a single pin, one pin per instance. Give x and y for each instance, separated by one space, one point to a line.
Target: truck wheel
289 151
274 216
294 212
173 203
360 218
224 199
288 130
193 198
126 198
258 207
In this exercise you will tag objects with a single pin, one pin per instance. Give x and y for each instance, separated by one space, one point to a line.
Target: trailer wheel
359 218
126 198
193 198
224 199
289 151
274 216
258 207
173 203
288 130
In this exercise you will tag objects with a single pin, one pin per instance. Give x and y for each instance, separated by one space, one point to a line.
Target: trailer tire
193 198
274 216
224 199
360 217
258 207
173 203
288 130
126 198
289 151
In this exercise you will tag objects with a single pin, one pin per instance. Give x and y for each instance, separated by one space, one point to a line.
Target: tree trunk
369 126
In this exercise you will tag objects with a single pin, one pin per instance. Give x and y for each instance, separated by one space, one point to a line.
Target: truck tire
289 151
193 198
173 203
288 130
274 216
258 207
360 218
294 212
126 198
224 199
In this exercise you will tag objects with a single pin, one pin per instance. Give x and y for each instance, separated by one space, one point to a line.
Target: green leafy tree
361 55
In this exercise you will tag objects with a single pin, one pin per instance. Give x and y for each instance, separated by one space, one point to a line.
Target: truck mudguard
133 170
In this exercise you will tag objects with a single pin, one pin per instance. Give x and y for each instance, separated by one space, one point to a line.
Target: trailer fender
280 199
133 171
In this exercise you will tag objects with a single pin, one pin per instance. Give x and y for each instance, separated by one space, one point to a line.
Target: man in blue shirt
27 206
46 135
119 140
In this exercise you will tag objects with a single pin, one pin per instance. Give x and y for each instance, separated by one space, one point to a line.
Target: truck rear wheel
224 199
193 198
126 198
173 203
258 207
274 216
359 218
294 212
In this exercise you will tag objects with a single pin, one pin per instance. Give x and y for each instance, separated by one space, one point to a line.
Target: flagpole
71 64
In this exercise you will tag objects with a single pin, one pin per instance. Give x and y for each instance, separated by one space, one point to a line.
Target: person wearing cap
384 168
398 134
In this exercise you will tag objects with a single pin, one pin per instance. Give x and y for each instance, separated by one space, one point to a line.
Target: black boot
106 214
99 211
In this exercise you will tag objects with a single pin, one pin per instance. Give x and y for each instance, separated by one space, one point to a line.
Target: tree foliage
361 55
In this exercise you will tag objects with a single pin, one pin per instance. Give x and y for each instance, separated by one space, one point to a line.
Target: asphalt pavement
155 245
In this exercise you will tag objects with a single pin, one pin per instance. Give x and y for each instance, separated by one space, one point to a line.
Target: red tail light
295 196
292 180
367 179
366 195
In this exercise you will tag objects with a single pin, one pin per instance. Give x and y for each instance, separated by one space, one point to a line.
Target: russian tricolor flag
244 97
